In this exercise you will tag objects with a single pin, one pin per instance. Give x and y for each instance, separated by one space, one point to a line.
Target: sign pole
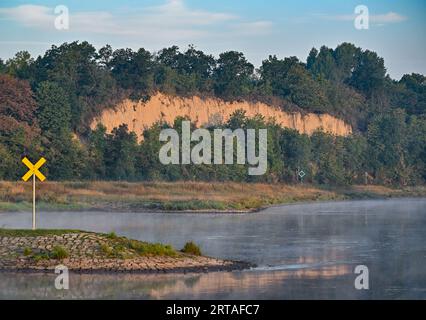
34 203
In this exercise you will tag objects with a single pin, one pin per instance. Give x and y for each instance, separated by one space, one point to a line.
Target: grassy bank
181 196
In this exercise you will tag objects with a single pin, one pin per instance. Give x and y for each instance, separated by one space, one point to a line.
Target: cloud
29 15
253 28
390 17
177 13
170 20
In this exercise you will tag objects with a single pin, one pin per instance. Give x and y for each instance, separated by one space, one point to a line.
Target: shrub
27 251
111 235
115 251
156 249
59 253
41 256
191 248
106 249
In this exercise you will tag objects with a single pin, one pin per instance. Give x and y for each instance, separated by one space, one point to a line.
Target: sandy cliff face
139 115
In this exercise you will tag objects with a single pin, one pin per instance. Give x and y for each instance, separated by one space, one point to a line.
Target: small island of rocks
89 252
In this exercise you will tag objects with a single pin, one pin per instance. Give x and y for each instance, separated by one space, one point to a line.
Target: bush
107 249
156 249
59 253
41 256
111 235
191 248
27 251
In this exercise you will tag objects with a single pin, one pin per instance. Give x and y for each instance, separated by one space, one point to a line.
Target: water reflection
302 251
228 285
333 282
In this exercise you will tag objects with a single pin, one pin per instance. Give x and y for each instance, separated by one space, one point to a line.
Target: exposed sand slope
139 115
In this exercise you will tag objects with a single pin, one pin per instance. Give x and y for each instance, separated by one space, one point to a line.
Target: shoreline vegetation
48 105
88 252
182 196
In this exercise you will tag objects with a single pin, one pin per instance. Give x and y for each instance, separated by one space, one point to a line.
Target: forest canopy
47 102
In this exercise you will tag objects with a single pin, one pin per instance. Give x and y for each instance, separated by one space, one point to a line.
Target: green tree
73 66
188 73
296 154
323 65
170 57
346 56
369 73
2 67
148 164
133 70
289 79
20 65
54 111
65 154
415 149
414 100
97 151
355 158
104 56
121 149
386 137
312 57
334 65
7 164
233 75
327 156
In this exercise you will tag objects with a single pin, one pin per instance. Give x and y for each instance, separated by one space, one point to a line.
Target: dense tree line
47 103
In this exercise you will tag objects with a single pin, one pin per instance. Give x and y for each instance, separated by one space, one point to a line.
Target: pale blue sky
257 28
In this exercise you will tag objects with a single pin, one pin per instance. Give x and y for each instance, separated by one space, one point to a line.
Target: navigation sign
301 174
34 172
33 169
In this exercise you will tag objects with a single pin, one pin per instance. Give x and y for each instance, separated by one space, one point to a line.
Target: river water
302 251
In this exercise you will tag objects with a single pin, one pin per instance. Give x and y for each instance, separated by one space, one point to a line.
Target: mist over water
301 251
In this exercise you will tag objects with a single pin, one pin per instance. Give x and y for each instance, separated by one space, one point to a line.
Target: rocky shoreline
86 252
202 267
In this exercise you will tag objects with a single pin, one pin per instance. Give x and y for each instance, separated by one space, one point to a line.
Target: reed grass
178 196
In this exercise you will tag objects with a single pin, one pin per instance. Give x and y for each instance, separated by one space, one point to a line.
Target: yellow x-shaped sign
33 169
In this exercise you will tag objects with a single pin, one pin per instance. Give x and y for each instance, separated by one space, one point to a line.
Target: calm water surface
303 251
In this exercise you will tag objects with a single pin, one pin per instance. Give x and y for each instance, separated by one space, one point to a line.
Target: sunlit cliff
141 115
